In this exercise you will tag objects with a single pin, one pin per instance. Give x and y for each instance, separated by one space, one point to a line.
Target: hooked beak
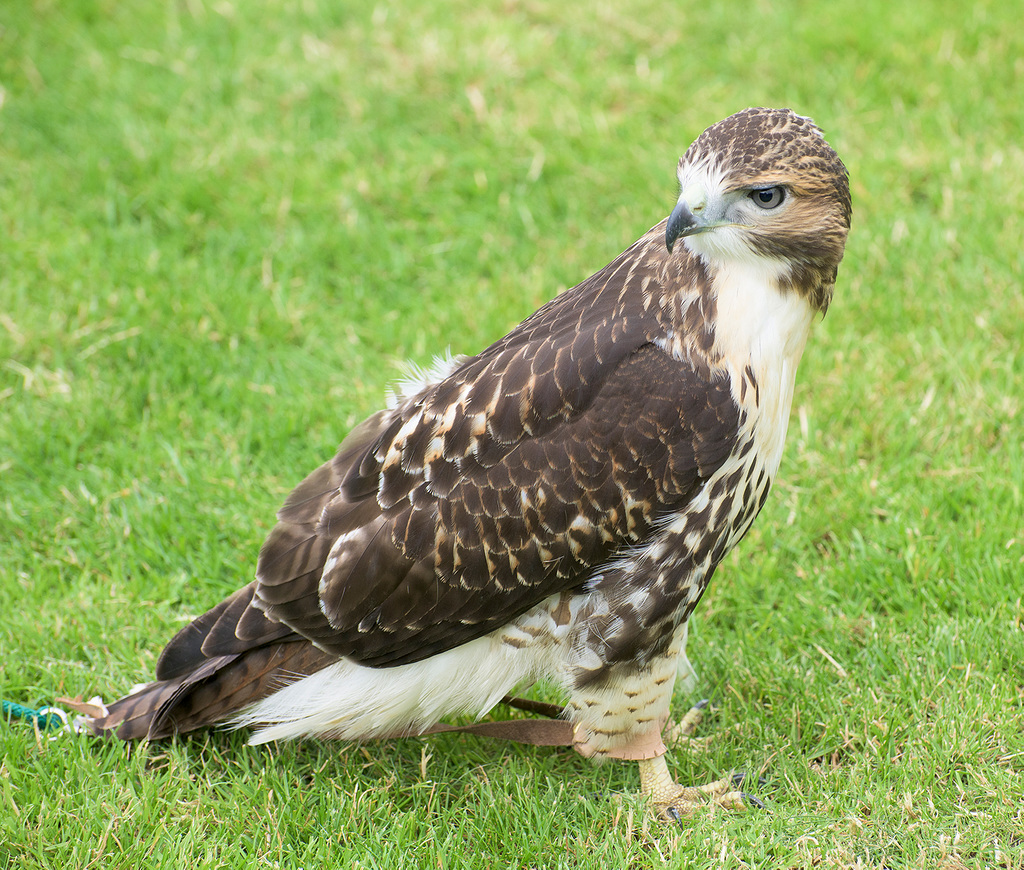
682 222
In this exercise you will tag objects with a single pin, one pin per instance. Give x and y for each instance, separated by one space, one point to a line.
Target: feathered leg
624 717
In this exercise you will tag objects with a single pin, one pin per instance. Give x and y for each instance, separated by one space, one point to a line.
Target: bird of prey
553 506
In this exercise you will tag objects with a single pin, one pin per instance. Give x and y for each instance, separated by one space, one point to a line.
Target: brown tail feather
211 693
215 634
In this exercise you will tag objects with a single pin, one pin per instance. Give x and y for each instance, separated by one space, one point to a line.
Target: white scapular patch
416 378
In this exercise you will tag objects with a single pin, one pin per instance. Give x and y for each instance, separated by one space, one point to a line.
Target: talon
670 800
673 813
741 776
755 802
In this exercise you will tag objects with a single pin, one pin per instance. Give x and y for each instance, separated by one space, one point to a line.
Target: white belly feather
351 701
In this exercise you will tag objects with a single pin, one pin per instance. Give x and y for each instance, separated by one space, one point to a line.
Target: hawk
553 506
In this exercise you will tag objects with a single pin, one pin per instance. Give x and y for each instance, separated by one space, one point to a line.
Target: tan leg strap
552 731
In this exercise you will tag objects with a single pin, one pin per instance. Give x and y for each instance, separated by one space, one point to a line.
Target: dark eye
768 197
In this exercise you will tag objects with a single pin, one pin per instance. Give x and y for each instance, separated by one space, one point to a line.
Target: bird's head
764 187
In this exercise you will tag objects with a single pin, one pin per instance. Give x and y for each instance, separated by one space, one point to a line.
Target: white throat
757 321
764 327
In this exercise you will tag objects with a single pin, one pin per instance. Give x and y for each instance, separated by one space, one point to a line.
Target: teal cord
42 718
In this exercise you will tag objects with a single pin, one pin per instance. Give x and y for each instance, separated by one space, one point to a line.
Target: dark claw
674 813
702 704
753 801
740 777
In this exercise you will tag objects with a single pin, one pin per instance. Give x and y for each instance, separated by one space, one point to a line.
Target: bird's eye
768 197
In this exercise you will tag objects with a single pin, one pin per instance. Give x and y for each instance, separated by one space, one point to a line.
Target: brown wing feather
467 504
508 532
508 481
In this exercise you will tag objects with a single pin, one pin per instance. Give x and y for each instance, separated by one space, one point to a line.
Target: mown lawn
223 227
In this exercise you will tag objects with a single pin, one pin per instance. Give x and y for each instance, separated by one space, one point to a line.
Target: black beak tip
681 220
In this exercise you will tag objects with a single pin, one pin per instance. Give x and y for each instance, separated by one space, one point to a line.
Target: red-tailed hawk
553 506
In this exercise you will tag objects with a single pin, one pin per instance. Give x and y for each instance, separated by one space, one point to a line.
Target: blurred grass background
223 227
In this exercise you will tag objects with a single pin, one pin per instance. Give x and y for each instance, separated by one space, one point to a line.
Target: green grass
224 225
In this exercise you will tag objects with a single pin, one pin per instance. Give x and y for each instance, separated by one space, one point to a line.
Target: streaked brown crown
761 147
